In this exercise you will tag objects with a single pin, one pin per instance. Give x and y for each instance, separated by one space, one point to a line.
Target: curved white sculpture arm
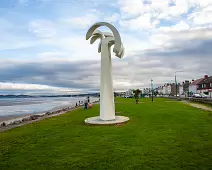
115 32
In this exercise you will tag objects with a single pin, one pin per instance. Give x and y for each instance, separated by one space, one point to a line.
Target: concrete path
200 106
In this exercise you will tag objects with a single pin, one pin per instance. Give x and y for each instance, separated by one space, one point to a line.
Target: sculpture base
97 121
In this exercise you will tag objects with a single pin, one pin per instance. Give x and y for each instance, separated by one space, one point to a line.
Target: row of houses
187 88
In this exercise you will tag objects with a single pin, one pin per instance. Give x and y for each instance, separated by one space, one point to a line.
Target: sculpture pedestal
97 121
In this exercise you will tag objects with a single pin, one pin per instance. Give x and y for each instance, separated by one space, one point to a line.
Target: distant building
195 85
121 94
173 89
146 90
205 86
181 91
167 89
160 90
129 92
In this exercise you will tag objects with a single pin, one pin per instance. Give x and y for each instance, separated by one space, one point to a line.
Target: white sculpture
107 107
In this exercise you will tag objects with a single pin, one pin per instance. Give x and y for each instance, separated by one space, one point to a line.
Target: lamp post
176 80
152 90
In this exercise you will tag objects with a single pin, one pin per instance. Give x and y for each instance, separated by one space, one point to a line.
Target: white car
203 95
197 95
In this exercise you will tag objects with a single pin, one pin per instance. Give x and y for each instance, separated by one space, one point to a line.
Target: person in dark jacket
86 105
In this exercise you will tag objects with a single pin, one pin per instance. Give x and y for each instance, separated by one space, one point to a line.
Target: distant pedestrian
86 106
76 104
79 103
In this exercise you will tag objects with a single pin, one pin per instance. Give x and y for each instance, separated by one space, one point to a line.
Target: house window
203 86
211 85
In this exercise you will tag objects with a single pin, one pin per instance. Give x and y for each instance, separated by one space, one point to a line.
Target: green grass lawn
164 134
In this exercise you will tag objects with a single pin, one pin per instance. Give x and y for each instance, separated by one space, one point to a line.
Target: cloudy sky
43 47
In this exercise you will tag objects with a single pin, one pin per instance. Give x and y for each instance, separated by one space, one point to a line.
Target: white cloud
142 22
42 28
82 22
20 86
180 26
201 18
133 43
51 55
132 8
115 17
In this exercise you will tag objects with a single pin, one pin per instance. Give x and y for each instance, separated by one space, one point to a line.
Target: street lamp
152 89
176 80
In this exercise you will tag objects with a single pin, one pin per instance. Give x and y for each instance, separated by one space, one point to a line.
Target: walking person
86 105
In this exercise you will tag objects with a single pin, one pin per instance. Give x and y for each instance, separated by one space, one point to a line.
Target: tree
137 93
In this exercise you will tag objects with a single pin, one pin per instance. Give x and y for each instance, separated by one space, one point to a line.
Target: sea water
22 106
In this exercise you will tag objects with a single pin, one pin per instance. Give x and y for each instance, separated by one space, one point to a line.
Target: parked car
197 95
203 95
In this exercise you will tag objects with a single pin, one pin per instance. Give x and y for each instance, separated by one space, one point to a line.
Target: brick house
173 88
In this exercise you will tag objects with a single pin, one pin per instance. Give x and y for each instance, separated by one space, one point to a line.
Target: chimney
206 76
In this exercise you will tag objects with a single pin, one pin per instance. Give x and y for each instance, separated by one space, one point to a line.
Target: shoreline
30 118
14 117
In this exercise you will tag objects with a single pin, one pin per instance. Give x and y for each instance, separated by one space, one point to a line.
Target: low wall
192 99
